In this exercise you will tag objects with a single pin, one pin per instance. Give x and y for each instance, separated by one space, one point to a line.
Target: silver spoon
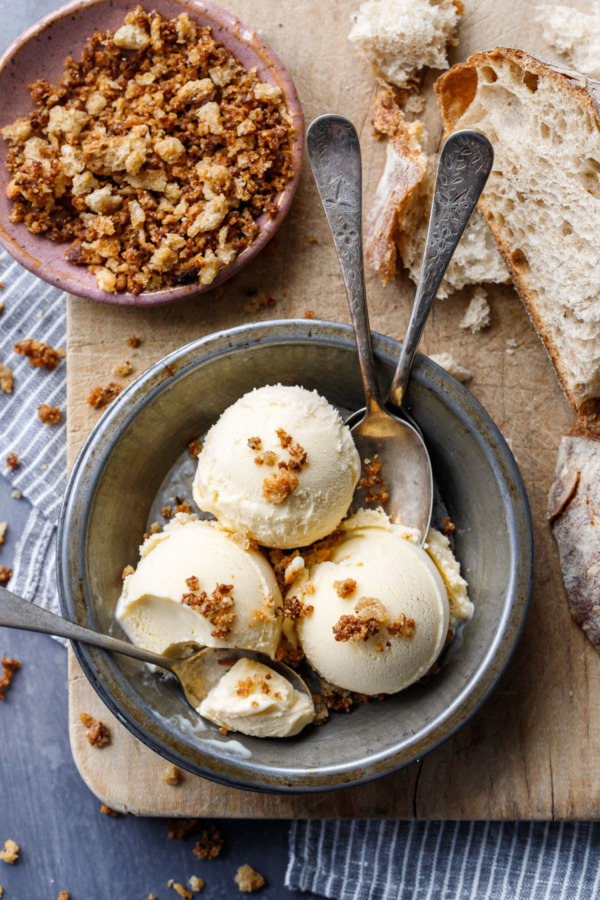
197 673
381 436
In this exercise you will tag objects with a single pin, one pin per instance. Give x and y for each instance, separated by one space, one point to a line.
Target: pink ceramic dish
40 53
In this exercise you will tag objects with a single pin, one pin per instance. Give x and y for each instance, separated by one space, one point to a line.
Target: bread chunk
541 200
397 221
574 514
401 37
575 34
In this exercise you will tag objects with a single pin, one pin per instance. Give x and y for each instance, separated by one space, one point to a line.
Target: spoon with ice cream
396 465
276 702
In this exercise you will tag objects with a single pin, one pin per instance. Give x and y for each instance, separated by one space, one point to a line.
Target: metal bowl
40 53
142 436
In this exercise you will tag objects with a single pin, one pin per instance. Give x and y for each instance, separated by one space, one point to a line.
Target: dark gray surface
66 843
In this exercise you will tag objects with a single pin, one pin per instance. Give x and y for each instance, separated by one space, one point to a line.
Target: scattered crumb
183 507
309 313
16 494
107 811
128 570
403 626
372 481
133 341
1 888
5 574
165 512
294 609
103 396
210 844
123 369
248 879
345 588
64 895
12 461
180 889
313 240
321 710
6 379
449 526
9 666
171 774
261 300
450 364
10 854
279 486
477 314
96 732
40 355
50 415
195 448
3 529
414 104
181 828
196 883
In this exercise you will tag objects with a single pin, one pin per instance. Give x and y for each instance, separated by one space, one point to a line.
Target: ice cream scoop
197 584
280 465
256 700
380 611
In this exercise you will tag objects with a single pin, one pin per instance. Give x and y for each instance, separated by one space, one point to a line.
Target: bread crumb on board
451 365
10 853
248 879
96 732
477 315
171 774
575 34
100 396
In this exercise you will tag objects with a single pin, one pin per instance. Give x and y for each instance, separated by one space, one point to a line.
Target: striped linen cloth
33 309
349 860
373 860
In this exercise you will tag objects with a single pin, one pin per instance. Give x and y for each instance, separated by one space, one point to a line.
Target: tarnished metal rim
108 680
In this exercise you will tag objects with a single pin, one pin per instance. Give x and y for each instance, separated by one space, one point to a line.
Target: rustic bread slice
574 513
542 201
397 220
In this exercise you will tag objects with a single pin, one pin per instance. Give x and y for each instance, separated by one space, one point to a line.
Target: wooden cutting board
530 751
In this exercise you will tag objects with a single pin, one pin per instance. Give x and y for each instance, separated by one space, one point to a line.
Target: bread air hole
530 80
519 261
488 75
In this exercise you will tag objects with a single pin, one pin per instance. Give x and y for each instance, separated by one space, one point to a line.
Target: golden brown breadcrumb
180 889
12 460
217 608
248 879
107 811
40 355
96 731
100 396
50 415
6 379
10 853
5 575
195 448
171 774
210 844
9 666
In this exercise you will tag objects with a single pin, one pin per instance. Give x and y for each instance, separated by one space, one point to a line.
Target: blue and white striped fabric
371 860
33 309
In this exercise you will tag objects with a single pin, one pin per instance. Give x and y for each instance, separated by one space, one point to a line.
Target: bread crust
453 89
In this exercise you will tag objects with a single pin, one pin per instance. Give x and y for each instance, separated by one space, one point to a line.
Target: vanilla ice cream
198 584
256 700
280 465
380 611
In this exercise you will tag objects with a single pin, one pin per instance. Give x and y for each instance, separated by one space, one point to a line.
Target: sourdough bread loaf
542 200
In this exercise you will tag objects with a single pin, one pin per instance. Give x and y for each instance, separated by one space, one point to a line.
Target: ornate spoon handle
465 163
334 153
15 612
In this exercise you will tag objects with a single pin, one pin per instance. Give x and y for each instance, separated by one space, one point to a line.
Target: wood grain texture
529 752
